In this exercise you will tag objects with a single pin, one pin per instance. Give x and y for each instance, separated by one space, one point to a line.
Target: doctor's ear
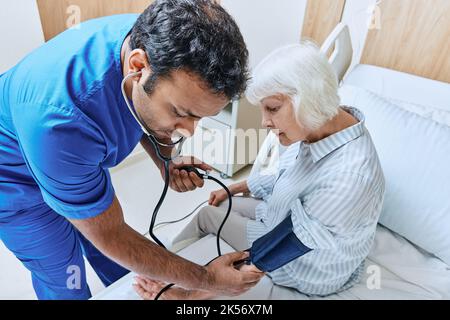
138 61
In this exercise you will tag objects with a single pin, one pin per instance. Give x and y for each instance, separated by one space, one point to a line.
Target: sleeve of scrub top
63 150
339 206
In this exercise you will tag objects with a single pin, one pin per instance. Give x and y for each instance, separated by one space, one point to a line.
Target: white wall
267 24
21 31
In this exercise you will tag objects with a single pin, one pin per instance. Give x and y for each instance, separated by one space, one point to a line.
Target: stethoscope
178 142
166 160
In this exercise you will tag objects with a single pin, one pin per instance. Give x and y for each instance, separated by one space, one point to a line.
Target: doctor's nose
187 127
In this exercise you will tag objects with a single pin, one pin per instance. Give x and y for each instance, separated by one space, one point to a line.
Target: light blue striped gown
333 189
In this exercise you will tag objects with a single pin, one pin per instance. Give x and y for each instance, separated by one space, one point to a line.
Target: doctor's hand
181 180
226 279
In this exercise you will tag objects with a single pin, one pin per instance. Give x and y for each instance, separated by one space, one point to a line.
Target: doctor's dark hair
197 36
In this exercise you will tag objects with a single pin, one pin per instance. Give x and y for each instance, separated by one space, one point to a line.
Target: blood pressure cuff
277 248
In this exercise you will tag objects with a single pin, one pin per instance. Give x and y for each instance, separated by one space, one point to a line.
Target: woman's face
279 116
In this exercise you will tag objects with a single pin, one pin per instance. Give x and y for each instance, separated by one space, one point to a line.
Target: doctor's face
176 104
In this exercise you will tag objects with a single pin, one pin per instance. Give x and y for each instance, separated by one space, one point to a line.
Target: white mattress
406 273
401 86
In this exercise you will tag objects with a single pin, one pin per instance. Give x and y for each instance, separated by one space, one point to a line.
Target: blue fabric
49 246
63 122
277 248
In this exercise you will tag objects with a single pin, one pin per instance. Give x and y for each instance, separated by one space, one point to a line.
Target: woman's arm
261 185
218 196
239 187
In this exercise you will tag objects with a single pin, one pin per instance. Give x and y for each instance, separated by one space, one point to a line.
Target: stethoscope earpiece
135 73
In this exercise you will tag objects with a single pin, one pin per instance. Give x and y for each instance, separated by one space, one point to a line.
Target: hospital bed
409 120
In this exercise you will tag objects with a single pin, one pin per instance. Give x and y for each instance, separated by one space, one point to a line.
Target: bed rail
341 57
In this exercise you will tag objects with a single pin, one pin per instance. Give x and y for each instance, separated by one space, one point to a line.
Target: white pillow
349 92
438 115
415 155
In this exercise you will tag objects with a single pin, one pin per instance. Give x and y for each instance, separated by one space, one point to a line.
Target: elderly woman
329 180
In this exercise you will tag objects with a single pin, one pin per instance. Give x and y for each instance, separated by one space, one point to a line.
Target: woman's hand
217 197
147 289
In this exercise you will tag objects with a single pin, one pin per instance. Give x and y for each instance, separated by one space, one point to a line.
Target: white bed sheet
406 273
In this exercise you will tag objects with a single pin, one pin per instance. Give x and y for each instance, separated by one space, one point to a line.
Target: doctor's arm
113 237
74 184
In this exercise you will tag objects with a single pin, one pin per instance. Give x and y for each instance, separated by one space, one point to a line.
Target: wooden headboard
321 18
414 37
56 13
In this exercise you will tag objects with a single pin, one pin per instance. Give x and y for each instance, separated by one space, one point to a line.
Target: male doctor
64 122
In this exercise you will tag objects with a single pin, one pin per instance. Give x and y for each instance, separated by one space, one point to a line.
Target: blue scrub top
63 122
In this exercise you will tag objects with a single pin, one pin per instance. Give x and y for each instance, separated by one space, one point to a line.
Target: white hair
303 74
